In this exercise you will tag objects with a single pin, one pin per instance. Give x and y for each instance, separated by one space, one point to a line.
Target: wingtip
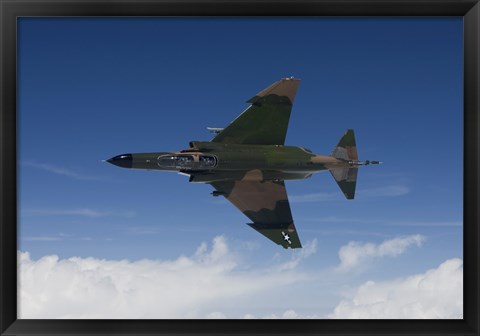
286 87
290 78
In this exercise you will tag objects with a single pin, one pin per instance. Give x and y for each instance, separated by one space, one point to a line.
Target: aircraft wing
266 204
265 122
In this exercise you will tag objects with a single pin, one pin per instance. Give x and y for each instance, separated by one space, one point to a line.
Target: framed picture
92 88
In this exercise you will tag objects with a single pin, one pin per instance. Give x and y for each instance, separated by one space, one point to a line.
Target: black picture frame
10 10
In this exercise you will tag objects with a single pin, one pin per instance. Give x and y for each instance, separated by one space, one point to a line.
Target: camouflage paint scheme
247 162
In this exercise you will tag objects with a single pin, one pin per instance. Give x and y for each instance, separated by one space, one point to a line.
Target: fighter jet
247 162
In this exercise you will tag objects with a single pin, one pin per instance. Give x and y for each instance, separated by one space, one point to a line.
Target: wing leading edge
265 122
266 204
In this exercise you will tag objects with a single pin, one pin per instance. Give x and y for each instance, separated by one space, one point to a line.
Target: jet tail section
346 178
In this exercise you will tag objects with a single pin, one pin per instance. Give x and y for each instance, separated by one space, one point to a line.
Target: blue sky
92 88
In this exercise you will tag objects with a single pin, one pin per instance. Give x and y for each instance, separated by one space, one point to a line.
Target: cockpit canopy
187 161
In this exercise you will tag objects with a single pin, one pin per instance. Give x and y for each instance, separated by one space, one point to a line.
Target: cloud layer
215 280
435 294
94 288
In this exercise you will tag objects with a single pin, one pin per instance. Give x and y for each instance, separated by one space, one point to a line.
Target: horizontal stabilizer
283 234
346 179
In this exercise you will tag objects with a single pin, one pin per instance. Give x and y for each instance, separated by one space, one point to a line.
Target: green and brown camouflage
247 162
265 122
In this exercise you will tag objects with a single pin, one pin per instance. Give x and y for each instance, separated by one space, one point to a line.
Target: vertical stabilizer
346 148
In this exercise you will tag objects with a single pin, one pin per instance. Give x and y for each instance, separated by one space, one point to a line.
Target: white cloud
307 250
42 238
335 219
82 212
216 315
314 197
432 224
213 283
289 314
435 294
387 191
187 287
355 253
55 237
59 170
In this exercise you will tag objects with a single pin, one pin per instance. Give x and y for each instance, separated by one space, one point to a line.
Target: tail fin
346 178
346 148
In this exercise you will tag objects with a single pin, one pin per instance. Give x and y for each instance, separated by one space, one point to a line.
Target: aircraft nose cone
124 160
